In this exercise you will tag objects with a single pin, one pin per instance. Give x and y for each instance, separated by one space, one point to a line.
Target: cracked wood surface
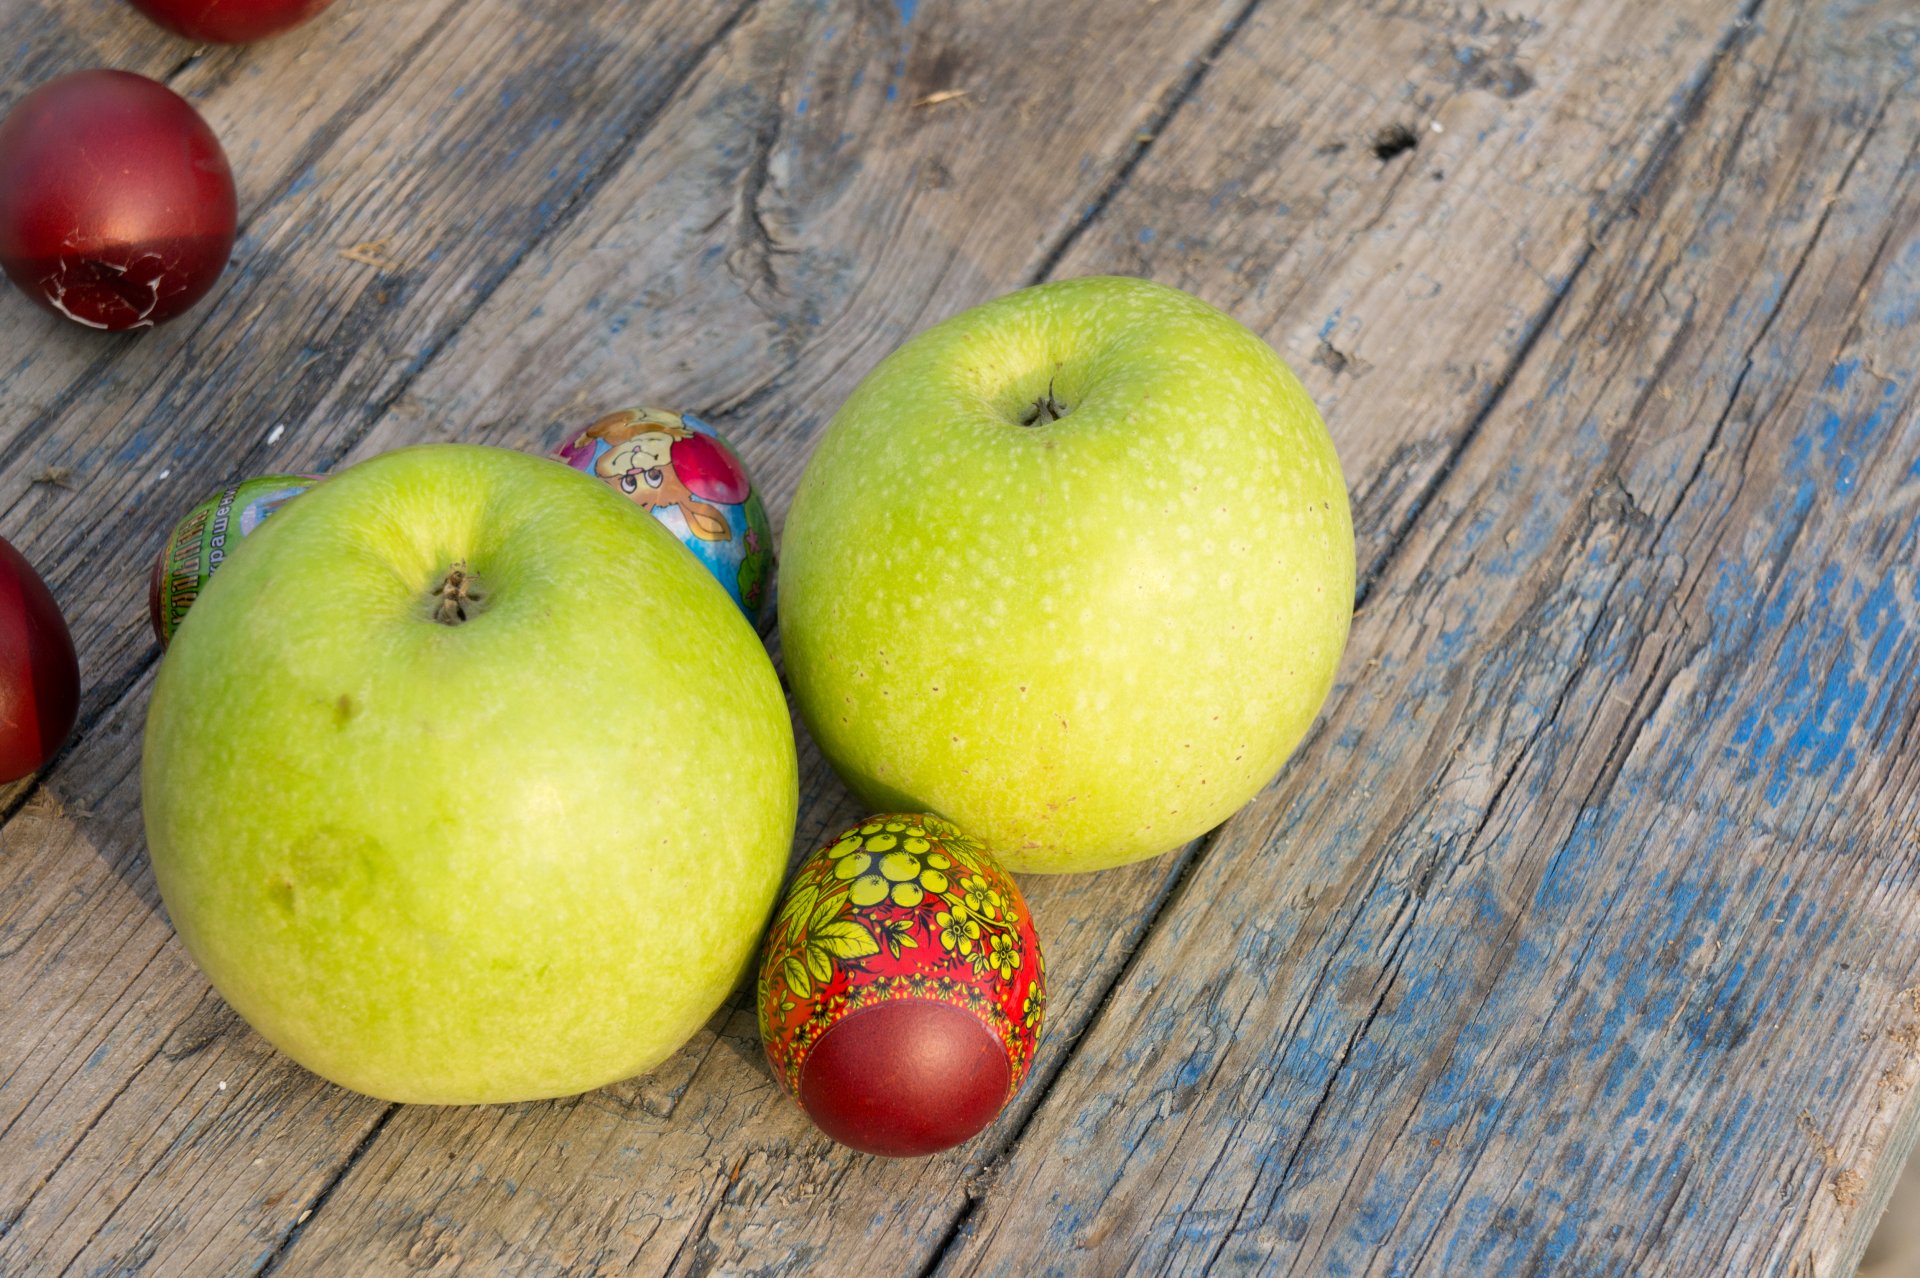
1596 957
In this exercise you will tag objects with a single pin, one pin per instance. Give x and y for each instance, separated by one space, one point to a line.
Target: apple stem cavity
459 595
1043 410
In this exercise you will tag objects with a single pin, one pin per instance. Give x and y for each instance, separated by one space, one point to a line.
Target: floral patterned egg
677 467
901 988
200 543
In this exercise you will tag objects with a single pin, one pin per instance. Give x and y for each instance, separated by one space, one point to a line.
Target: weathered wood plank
121 1202
736 1220
1580 940
1135 891
108 1036
1403 287
49 39
748 1183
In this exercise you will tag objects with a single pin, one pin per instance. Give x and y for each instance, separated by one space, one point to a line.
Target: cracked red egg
117 206
901 989
229 21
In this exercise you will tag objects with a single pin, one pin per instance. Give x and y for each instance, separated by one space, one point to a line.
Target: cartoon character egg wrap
677 467
901 989
201 542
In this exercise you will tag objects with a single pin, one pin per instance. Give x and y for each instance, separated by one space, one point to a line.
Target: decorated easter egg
901 987
200 543
677 467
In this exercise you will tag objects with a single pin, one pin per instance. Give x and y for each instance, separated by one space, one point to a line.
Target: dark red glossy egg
39 676
229 21
901 987
905 1078
117 207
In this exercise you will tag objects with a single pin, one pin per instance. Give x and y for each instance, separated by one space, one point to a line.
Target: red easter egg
117 207
944 1056
229 21
710 470
39 675
902 989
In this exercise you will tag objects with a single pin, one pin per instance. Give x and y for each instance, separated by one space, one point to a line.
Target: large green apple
465 782
1073 569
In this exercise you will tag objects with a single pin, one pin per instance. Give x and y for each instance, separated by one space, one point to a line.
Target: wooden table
1581 937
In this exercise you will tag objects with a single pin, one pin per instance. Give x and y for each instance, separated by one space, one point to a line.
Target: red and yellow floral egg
901 988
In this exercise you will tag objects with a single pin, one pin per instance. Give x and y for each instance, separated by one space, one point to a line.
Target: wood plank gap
1149 132
703 1223
314 1208
1737 33
181 67
938 1256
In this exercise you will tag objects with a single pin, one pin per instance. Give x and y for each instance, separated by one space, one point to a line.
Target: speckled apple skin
519 857
1086 641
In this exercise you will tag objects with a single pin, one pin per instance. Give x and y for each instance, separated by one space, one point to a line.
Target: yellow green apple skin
518 855
1086 638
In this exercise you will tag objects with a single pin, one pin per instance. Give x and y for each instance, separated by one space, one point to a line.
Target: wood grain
1404 288
52 39
1589 950
741 212
82 1189
749 1195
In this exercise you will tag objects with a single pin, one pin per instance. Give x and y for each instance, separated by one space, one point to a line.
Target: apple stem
455 592
1045 409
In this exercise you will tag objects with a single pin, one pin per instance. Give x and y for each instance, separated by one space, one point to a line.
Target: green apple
465 782
1073 569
